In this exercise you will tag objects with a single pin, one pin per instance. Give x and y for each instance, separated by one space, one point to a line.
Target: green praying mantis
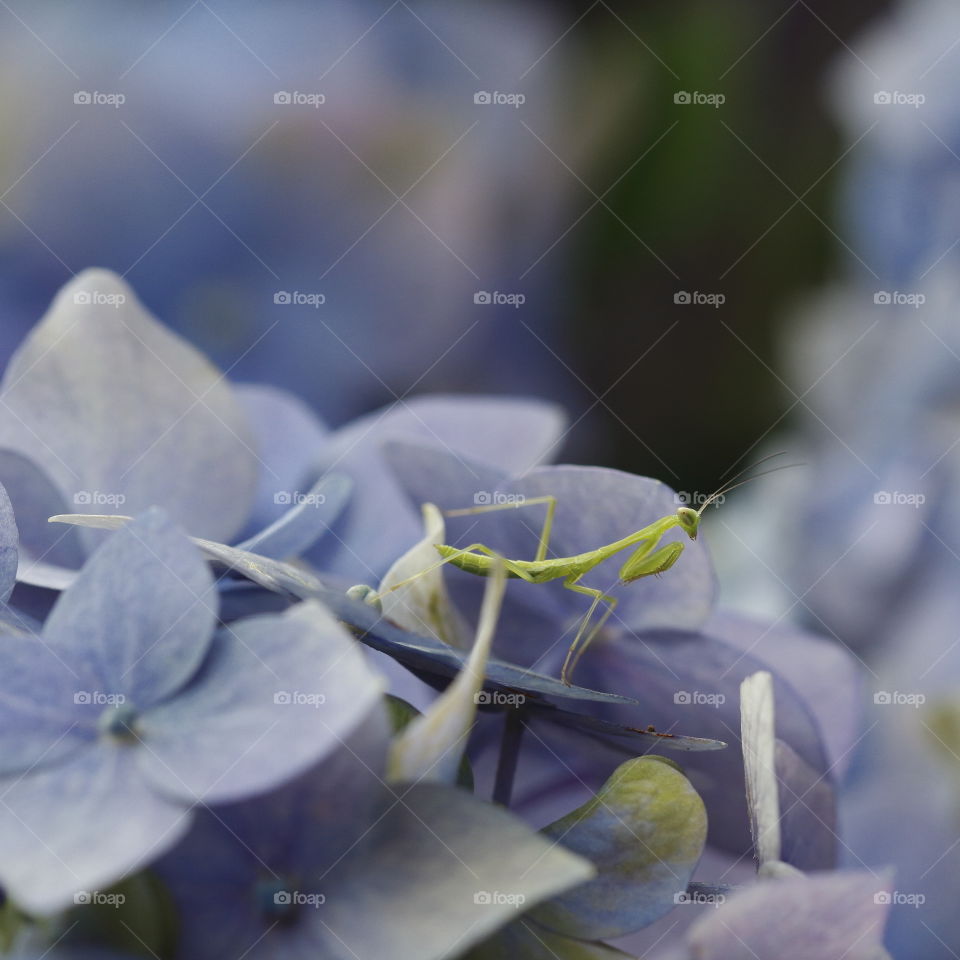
648 557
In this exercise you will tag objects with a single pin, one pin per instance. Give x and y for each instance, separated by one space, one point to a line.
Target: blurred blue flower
229 209
867 545
129 710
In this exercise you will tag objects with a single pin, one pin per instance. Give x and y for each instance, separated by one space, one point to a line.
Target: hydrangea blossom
129 710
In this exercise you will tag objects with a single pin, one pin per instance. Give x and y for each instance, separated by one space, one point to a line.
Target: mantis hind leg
579 645
544 541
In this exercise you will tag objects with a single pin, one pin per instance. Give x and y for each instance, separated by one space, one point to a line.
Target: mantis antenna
739 483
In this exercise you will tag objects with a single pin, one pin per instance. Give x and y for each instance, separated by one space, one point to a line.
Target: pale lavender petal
46 710
808 810
691 682
109 403
288 439
824 915
823 671
79 827
140 614
311 515
277 694
35 498
506 434
9 539
440 872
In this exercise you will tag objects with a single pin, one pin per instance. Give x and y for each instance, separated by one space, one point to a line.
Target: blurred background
598 198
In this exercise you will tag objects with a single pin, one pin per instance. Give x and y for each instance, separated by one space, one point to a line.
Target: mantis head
689 521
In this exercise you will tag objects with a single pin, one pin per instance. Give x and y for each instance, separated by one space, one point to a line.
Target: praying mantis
648 558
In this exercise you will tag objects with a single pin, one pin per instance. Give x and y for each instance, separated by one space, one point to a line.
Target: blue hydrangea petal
276 695
692 682
808 805
303 524
434 475
821 915
35 498
139 615
307 825
108 402
828 677
41 720
9 539
17 623
509 434
80 826
288 439
440 872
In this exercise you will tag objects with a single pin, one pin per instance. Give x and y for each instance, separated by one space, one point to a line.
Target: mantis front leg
577 650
